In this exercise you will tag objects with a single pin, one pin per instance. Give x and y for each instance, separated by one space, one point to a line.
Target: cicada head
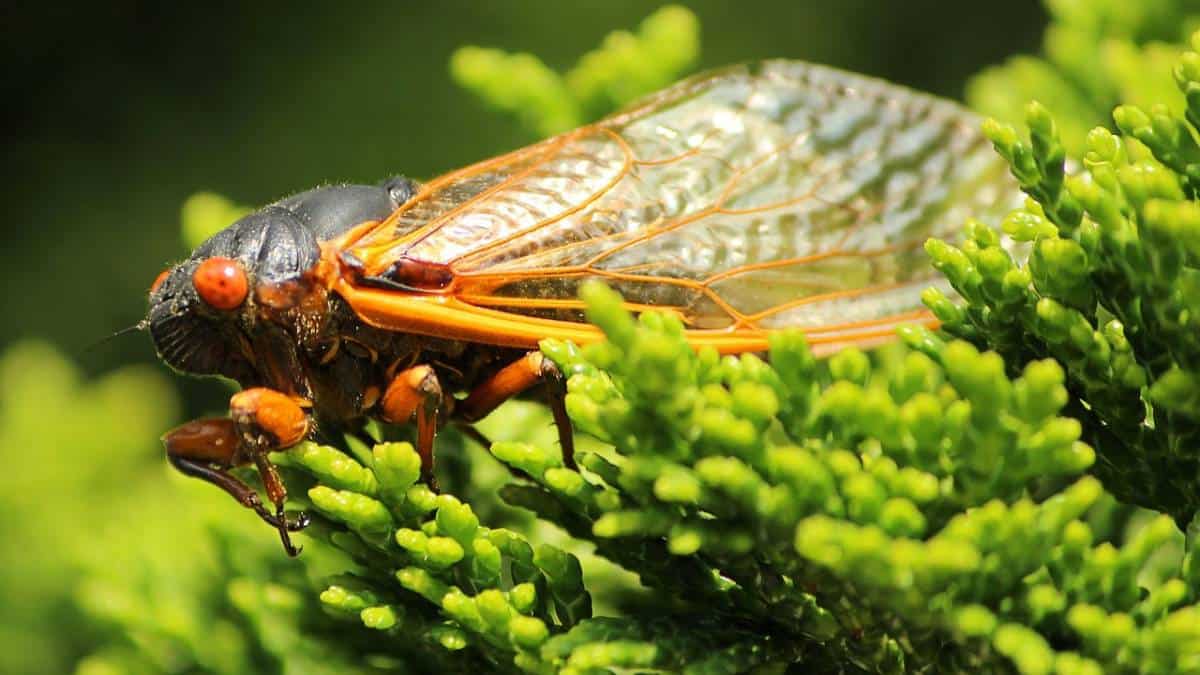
242 302
248 303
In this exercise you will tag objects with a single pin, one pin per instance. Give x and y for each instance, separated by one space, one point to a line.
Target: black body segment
332 210
272 244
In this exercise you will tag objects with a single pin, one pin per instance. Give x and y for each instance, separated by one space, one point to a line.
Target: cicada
746 200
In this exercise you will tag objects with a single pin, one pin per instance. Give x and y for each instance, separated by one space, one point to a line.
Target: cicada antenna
135 328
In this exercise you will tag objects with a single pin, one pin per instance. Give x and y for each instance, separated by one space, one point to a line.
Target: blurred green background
116 113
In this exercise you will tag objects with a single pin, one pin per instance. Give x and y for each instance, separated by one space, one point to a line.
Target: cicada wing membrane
776 195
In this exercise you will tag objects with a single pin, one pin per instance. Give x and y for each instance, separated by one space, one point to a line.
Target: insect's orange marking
511 380
557 303
158 280
449 318
500 279
271 411
331 248
404 394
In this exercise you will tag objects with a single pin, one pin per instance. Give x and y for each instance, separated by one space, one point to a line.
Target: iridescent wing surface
778 194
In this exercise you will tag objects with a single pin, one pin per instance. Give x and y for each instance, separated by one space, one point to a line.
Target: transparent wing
780 194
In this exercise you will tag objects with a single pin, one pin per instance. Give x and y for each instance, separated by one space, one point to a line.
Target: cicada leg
261 420
515 378
416 392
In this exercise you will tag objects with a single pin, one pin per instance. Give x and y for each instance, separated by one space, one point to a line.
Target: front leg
261 420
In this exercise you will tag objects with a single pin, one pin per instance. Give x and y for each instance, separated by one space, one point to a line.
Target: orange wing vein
773 195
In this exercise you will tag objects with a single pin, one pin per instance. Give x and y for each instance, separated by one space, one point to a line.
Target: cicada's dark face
227 309
247 304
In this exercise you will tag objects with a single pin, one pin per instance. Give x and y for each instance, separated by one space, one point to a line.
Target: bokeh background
116 112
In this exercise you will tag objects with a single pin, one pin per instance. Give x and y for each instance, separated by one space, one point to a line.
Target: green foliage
58 493
1111 288
1097 54
624 67
830 502
908 509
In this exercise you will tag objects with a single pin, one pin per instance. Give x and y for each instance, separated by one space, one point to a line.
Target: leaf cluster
1110 288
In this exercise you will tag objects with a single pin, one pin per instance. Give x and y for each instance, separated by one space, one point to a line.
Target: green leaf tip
626 66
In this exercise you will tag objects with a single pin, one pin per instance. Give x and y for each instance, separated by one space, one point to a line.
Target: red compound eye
221 283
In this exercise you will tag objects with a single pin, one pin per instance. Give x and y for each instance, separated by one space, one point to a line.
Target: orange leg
416 392
516 378
261 420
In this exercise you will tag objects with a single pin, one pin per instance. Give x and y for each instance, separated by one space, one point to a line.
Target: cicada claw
284 527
